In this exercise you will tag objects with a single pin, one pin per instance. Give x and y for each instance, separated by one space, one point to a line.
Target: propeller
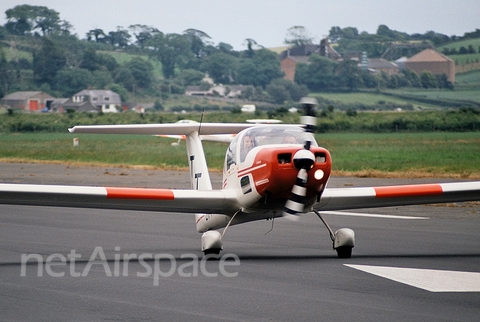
303 161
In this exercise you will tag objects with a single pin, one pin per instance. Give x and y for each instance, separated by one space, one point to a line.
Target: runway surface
107 265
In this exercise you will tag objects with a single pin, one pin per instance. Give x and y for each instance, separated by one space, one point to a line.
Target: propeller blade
303 161
309 119
296 203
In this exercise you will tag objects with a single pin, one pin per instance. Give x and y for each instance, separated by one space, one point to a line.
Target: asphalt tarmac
98 265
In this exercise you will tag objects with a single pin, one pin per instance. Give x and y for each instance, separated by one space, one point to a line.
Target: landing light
318 174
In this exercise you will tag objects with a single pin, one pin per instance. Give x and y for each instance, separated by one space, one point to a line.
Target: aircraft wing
387 196
168 200
165 129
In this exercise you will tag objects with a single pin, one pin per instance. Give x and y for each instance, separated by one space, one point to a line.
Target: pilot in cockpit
289 139
247 144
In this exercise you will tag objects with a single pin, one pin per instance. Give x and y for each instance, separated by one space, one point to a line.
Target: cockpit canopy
265 135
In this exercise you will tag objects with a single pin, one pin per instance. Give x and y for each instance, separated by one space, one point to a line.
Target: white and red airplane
270 171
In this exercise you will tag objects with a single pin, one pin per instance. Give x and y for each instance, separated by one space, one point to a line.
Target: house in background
432 61
292 56
64 104
106 101
228 91
378 65
289 64
27 101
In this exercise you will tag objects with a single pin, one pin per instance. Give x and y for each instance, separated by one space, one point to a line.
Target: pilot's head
289 139
248 142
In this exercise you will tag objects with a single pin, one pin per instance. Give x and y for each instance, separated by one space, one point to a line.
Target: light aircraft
270 171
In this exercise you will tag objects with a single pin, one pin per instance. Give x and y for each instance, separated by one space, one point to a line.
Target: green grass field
465 43
389 155
371 99
470 78
472 94
122 58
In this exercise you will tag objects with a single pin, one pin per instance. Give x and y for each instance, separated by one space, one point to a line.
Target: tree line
64 64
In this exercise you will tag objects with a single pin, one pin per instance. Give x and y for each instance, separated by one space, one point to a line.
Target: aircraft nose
304 159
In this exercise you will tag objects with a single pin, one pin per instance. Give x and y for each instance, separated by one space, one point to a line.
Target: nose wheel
343 239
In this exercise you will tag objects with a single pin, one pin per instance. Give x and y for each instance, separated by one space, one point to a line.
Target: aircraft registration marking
427 279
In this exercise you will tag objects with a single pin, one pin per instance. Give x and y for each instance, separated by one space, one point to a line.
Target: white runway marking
427 279
359 214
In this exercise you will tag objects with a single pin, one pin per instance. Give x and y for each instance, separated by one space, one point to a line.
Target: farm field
122 58
457 95
369 99
435 154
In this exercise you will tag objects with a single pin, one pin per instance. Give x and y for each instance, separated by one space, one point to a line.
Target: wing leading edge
387 196
186 201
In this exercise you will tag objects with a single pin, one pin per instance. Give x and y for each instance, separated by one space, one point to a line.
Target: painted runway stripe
359 214
427 279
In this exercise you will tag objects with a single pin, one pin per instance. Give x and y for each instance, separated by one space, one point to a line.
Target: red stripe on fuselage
138 193
408 191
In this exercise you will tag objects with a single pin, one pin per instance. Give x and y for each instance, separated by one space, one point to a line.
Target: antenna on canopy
201 120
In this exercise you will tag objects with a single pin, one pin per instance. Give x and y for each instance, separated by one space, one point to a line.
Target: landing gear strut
343 239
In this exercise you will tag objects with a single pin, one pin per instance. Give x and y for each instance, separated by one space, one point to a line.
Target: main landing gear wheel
343 239
344 251
212 244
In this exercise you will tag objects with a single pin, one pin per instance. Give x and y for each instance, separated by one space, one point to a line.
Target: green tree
172 50
23 19
4 74
119 38
349 75
98 34
427 79
220 66
384 31
191 77
335 34
19 20
124 77
89 59
120 90
101 78
260 70
319 75
411 77
141 71
298 36
48 61
251 46
278 93
198 40
106 61
281 90
47 20
143 34
71 81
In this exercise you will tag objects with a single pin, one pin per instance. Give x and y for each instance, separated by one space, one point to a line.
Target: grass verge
436 154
